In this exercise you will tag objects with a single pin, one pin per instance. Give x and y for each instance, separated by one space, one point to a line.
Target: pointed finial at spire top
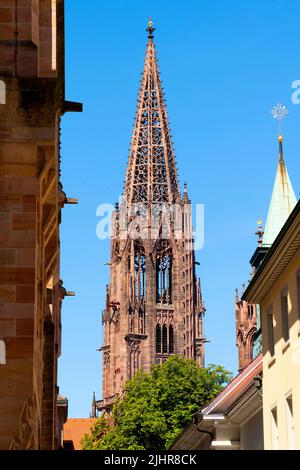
279 112
185 198
94 409
280 140
150 29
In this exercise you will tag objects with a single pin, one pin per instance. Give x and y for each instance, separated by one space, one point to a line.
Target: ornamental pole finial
280 112
150 29
259 232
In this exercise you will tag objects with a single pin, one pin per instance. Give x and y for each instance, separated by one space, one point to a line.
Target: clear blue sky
224 64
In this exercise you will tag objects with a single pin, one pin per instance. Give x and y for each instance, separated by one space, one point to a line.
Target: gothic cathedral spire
153 303
151 174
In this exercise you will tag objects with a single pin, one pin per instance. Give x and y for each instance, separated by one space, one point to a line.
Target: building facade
31 199
153 302
275 286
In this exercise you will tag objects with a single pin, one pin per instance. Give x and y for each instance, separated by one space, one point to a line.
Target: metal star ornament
279 112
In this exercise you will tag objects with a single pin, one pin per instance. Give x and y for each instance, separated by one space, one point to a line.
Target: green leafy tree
157 406
98 431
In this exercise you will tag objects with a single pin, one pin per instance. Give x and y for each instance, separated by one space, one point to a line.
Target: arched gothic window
139 271
171 339
250 311
165 339
158 338
164 273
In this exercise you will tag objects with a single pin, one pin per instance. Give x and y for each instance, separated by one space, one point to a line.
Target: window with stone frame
2 352
290 422
164 339
139 271
164 273
171 339
284 314
158 338
270 329
274 429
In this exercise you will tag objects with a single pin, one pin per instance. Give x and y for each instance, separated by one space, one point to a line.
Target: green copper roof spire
282 202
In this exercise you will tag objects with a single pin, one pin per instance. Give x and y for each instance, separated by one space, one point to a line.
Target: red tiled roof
76 428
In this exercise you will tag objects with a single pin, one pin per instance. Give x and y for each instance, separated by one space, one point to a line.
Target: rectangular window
285 315
270 331
290 423
274 429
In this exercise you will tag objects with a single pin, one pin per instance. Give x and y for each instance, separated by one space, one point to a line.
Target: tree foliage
157 406
98 431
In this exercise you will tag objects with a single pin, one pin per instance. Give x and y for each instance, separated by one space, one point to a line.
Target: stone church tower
153 303
246 329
